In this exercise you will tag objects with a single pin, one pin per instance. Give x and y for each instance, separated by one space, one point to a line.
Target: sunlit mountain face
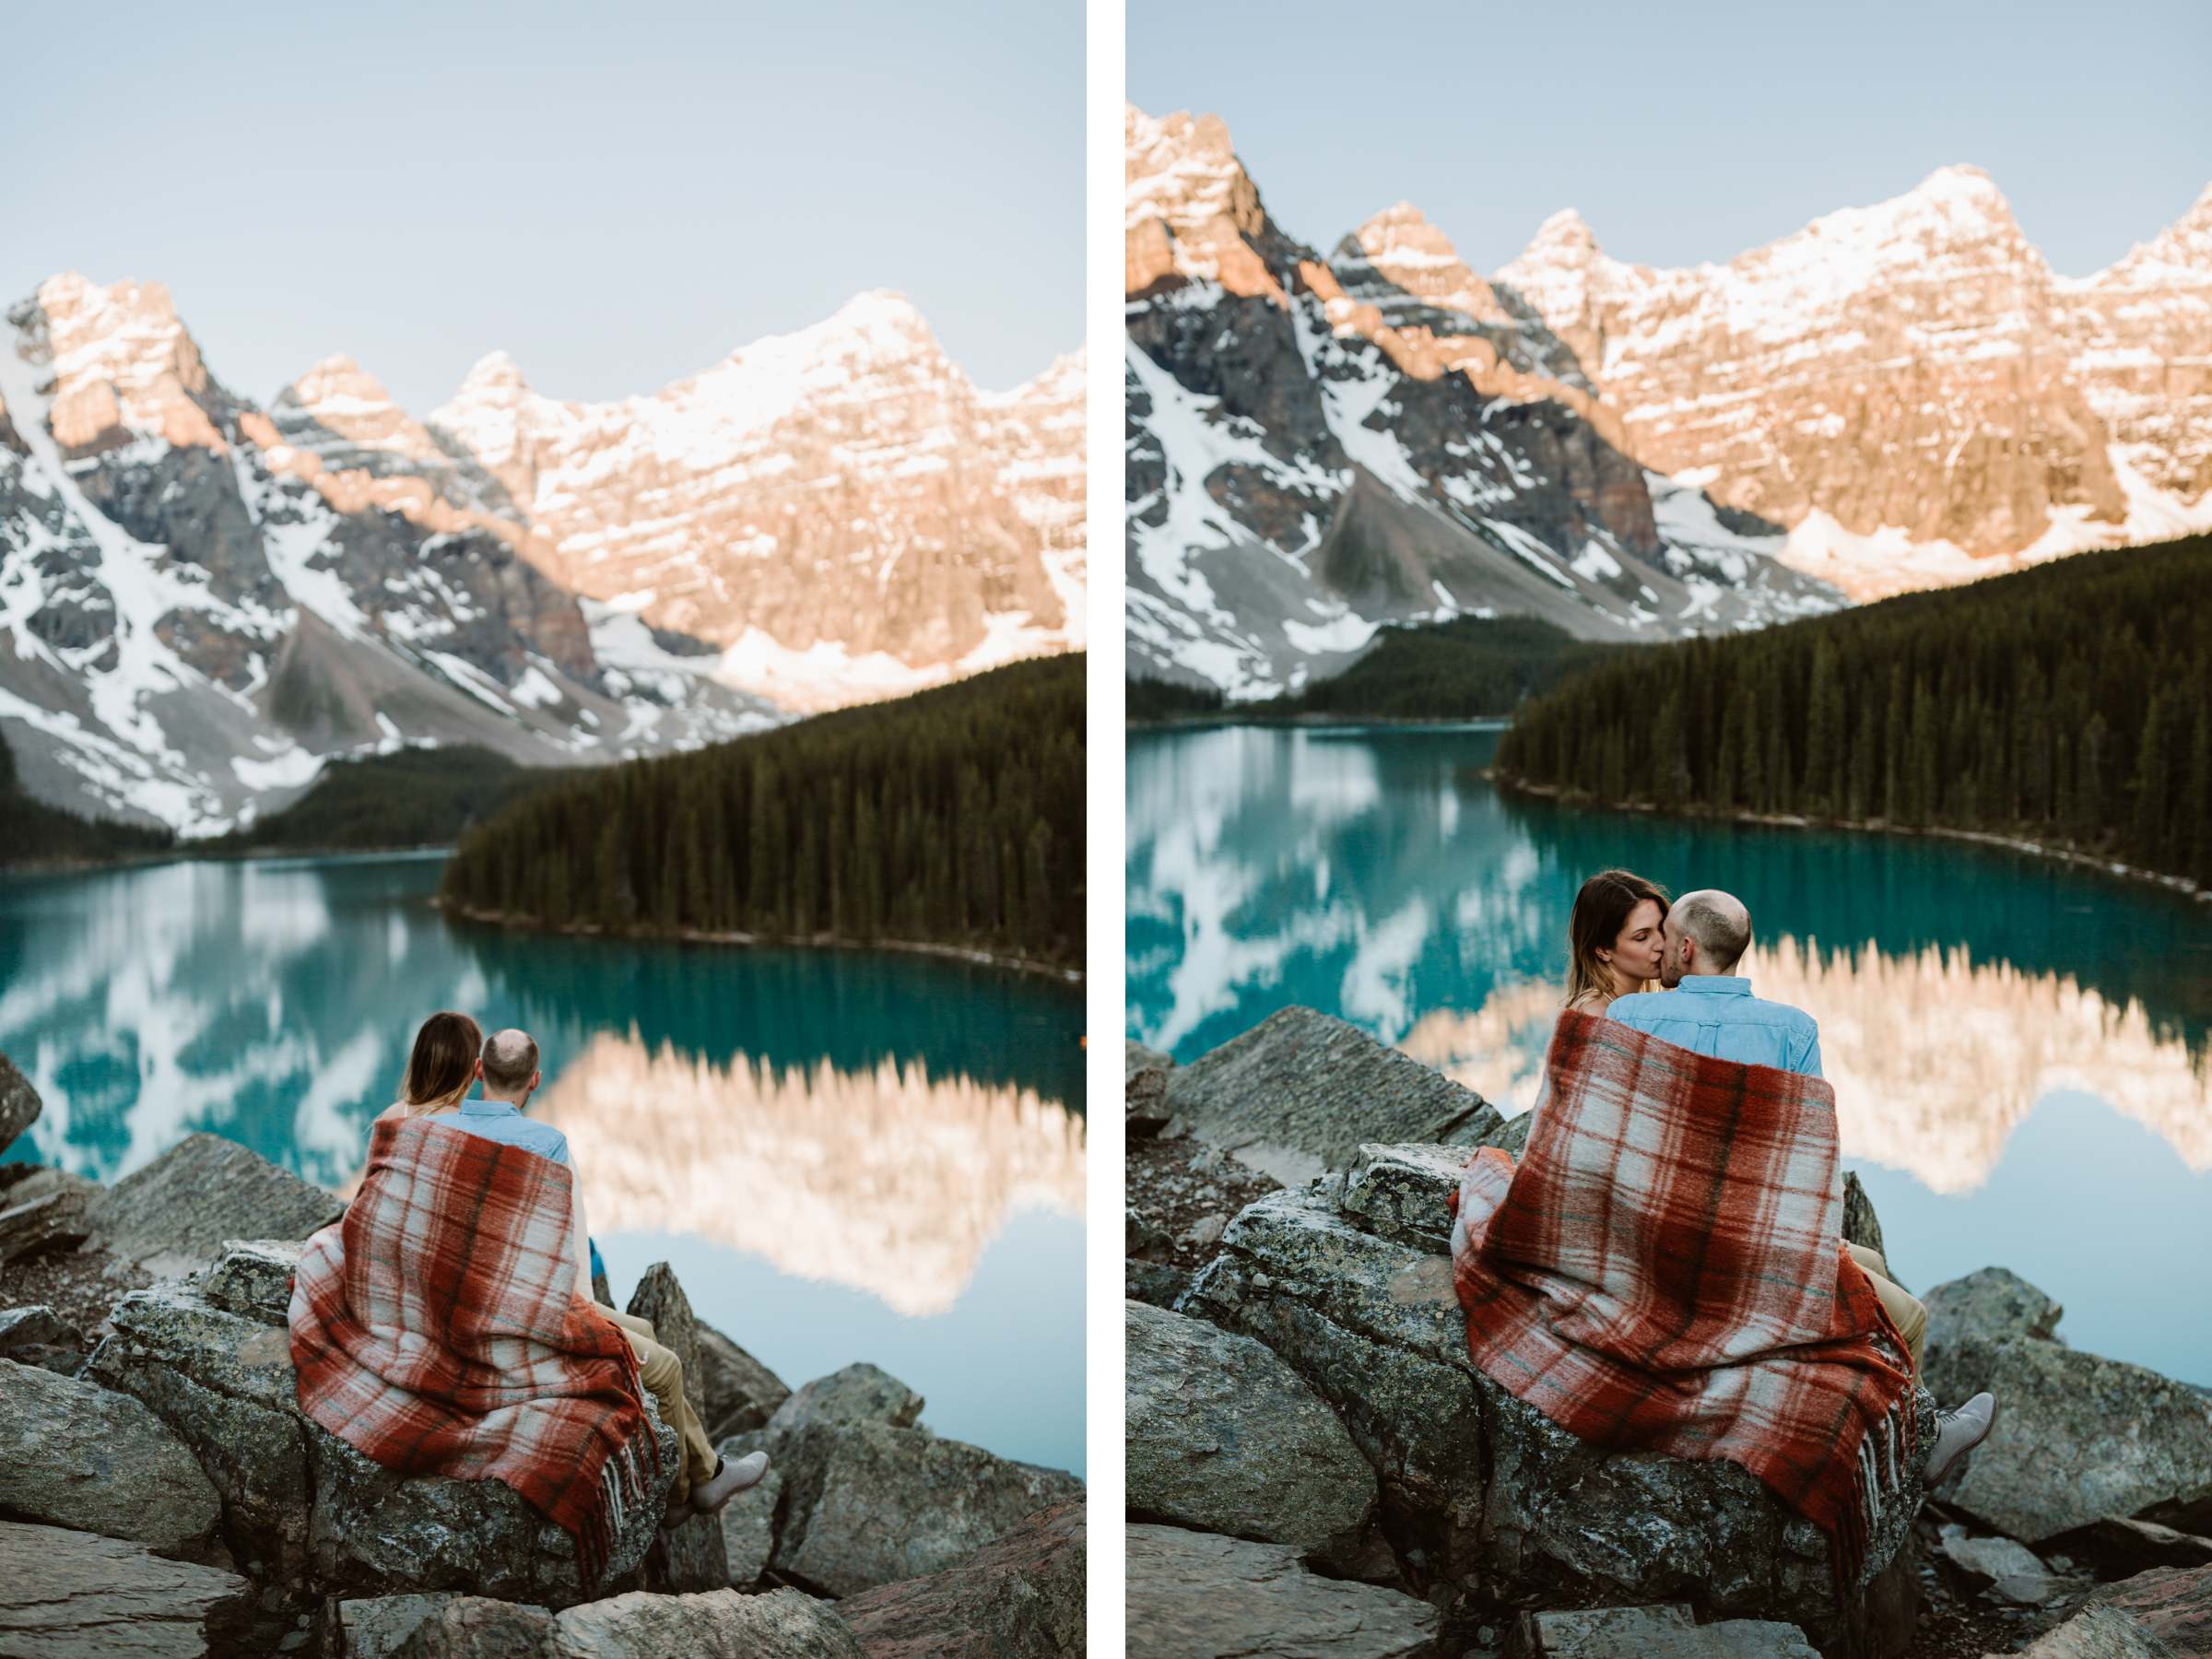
848 1155
1971 1000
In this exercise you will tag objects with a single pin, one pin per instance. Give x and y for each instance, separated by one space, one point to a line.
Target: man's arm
1809 1061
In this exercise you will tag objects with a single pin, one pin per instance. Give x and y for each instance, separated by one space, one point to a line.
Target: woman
1613 939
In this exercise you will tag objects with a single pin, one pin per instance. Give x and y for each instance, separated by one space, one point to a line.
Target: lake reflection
1963 993
844 1145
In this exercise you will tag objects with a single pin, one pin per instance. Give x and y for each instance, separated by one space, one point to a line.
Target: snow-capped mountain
201 601
833 510
1318 447
1906 388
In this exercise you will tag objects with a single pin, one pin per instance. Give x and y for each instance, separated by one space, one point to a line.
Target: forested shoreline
2068 706
950 819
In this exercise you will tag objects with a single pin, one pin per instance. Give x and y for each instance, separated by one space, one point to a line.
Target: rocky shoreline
161 1494
1315 1467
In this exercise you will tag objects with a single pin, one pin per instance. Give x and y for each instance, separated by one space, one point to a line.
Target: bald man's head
1706 932
509 1066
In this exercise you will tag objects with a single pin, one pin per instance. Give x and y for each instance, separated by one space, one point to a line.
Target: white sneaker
1959 1431
728 1480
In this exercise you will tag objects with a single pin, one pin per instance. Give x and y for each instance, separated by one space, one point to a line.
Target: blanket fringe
623 1485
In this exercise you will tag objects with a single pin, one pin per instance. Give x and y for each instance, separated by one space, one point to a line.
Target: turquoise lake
845 1155
2019 1048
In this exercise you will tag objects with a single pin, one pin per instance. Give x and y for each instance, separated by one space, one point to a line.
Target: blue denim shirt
1716 1014
498 1121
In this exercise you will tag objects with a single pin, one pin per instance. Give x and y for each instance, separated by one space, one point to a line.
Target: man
509 1072
1708 1008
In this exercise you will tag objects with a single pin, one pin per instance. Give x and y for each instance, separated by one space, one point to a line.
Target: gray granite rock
2077 1437
379 1627
73 1453
301 1507
175 1215
1404 1194
1223 1437
1021 1597
77 1595
2116 1547
1663 1632
870 1503
1988 1304
1861 1225
742 1392
859 1393
1299 1093
1145 1089
719 1624
1491 1505
42 1213
748 1526
689 1557
1511 1136
19 1103
2013 1572
2163 1614
1199 1595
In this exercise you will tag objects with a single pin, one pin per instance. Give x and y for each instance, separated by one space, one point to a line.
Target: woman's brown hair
1601 909
444 1063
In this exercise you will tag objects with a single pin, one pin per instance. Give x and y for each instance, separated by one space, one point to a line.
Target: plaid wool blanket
1665 1272
436 1330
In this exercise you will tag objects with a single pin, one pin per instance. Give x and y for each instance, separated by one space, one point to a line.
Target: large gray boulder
44 1212
1224 1437
19 1103
1489 1504
859 1393
73 1453
175 1215
1145 1074
1199 1595
77 1595
2077 1437
1021 1597
719 1624
690 1557
1298 1093
38 1336
742 1392
870 1503
1666 1633
211 1357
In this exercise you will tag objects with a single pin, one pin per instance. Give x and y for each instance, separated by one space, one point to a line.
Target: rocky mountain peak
337 406
1190 210
1412 254
123 364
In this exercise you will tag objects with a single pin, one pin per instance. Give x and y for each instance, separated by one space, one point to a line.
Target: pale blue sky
1687 132
617 196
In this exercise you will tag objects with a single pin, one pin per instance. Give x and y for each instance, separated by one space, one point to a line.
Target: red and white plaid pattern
1665 1272
437 1330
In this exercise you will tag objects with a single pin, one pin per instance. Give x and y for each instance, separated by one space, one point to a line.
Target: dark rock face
76 1595
1488 1505
1652 1633
1224 1437
302 1509
1198 1595
19 1103
1145 1089
74 1454
1861 1225
176 1214
2156 1615
690 1557
742 1392
38 1336
1021 1597
1299 1092
2077 1437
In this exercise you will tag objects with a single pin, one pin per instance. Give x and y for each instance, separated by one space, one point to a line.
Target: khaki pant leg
1905 1310
662 1373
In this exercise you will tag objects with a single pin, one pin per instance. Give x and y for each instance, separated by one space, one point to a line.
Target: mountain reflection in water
1935 1058
888 1181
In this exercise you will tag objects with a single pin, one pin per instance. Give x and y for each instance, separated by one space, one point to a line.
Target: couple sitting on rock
445 1325
1664 1268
